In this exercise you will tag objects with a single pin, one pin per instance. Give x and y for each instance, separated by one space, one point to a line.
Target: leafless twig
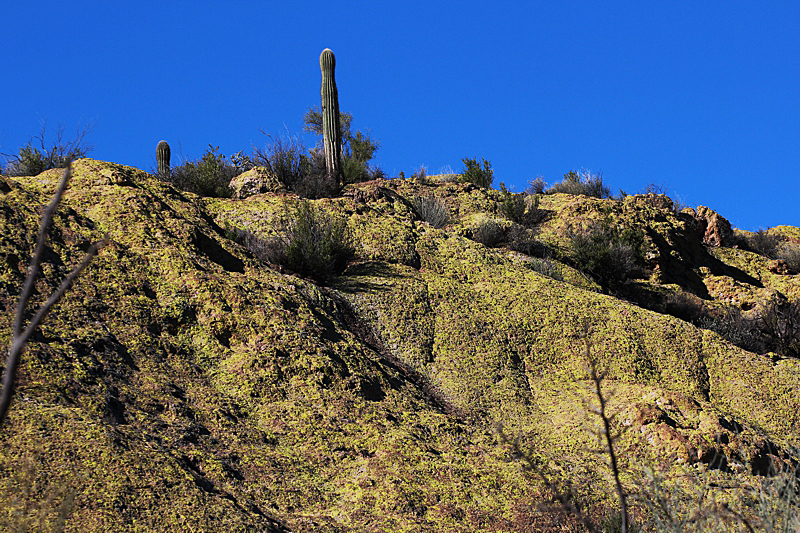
600 411
20 337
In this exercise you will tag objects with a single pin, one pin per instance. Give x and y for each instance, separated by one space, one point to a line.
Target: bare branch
20 337
529 464
597 379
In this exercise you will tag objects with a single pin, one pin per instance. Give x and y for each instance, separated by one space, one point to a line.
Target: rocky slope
185 385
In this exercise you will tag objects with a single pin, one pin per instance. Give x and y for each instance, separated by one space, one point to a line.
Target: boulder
779 266
257 180
713 228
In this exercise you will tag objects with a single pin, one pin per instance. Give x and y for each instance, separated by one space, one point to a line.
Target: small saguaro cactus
331 131
162 157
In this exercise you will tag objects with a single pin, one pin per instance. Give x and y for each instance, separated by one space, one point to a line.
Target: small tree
473 173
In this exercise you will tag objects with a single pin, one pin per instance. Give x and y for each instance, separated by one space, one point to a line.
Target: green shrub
308 241
242 162
32 160
608 254
432 210
207 176
512 206
583 182
473 173
520 208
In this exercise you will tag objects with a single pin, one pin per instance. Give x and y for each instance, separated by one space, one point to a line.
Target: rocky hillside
184 384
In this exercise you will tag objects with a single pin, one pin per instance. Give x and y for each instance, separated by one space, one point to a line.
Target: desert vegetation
39 154
343 352
308 241
575 182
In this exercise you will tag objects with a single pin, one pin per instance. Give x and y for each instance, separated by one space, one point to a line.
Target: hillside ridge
185 384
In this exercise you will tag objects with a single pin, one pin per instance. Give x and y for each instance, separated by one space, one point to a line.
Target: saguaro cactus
162 157
331 130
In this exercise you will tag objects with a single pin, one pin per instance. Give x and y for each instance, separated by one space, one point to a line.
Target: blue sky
699 97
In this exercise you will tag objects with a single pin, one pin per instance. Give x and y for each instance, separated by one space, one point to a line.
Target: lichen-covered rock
257 180
714 229
183 384
779 266
659 201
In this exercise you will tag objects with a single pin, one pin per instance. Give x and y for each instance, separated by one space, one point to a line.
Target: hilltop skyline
698 99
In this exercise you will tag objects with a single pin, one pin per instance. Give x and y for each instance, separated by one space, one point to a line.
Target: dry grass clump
579 182
790 253
487 232
432 210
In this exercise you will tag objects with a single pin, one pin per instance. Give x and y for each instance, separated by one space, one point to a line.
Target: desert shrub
536 186
762 243
730 324
300 170
421 174
358 148
780 325
608 254
357 171
685 306
512 206
309 241
242 162
36 156
790 253
776 328
473 173
207 176
521 239
520 208
487 232
432 210
583 182
546 267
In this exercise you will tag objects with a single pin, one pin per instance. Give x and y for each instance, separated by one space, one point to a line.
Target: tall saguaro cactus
162 157
331 130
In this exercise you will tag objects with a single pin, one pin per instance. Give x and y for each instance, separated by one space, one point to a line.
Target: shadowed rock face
184 385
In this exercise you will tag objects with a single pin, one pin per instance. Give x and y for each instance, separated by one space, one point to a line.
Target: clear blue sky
700 97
